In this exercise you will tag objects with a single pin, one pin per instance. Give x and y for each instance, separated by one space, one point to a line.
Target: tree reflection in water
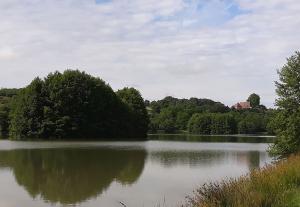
71 176
207 158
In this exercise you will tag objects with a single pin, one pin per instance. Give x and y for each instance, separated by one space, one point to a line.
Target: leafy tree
139 116
287 120
270 121
4 124
254 100
223 124
73 105
6 96
200 124
166 120
182 118
251 123
178 112
27 111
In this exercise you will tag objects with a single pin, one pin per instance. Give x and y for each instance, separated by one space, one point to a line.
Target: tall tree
74 104
139 119
287 127
254 100
27 110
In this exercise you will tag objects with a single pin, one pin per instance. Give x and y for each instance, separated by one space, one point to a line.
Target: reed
276 185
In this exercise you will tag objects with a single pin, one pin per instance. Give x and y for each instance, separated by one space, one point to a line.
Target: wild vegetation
74 105
204 116
5 99
286 121
274 185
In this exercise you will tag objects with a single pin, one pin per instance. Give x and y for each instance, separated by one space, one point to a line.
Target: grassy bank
275 185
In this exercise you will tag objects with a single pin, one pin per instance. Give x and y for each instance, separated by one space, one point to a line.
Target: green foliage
182 118
8 92
27 111
139 119
166 120
5 100
4 112
273 186
200 124
254 100
171 114
286 122
74 105
244 122
251 123
223 124
271 121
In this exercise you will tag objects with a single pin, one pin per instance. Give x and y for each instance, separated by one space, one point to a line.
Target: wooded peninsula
72 105
75 105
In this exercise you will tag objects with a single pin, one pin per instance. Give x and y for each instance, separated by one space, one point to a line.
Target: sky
218 49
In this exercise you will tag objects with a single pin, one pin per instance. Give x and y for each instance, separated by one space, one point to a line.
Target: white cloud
6 53
164 47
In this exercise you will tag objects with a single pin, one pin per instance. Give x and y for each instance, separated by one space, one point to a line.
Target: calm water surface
91 174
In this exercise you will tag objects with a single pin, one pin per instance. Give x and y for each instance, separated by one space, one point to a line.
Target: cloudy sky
218 49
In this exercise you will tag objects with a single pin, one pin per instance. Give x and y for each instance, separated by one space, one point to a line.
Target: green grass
293 198
275 185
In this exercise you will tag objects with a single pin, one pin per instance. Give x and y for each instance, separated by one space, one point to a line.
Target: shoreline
213 135
275 185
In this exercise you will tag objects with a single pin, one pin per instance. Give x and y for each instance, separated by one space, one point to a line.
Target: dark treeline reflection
252 159
192 158
70 176
215 138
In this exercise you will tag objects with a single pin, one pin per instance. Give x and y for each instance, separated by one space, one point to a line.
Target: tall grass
275 185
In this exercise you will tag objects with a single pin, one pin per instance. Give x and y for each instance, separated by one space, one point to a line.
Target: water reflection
190 158
138 174
214 138
196 159
70 176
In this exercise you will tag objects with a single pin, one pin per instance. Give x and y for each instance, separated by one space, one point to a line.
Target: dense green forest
72 105
204 116
6 96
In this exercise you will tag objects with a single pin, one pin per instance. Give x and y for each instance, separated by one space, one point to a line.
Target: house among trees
242 105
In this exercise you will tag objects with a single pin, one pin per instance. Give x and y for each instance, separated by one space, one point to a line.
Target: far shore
215 135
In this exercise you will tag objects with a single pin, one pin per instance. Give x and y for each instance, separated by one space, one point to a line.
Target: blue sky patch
102 1
199 13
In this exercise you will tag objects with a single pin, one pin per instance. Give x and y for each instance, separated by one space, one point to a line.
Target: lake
138 174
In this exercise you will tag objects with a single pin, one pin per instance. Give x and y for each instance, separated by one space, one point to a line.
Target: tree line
72 105
204 116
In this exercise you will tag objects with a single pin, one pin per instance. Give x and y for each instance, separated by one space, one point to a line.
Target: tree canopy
5 99
139 120
286 122
254 100
204 116
74 105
